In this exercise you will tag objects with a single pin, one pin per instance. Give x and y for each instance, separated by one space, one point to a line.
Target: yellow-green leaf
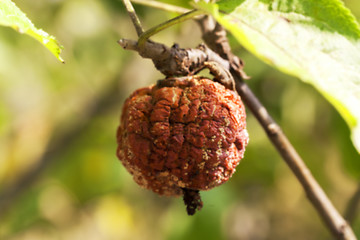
316 40
12 16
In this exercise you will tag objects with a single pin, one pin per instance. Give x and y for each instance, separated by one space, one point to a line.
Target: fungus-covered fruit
181 136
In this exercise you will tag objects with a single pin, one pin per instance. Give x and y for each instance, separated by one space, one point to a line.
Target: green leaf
315 40
12 16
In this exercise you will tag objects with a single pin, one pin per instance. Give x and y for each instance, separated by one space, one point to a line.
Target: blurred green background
68 114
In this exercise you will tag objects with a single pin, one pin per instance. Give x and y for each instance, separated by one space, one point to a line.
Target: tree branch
174 61
333 220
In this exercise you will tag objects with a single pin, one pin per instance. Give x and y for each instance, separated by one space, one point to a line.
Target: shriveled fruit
182 135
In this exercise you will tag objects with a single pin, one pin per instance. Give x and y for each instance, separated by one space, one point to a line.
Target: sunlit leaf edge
12 16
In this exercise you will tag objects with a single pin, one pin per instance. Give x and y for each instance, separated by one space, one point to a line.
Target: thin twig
162 6
133 16
353 206
144 36
152 31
